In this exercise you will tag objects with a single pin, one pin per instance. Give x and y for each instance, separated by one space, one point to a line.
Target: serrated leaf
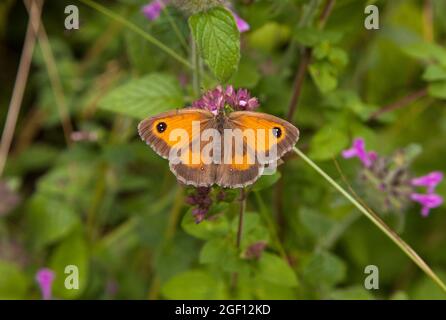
437 90
13 282
144 97
310 36
328 142
318 224
434 72
49 220
274 269
218 39
72 251
324 268
266 181
206 229
194 284
324 76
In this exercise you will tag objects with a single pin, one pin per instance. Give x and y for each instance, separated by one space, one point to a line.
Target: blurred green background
108 204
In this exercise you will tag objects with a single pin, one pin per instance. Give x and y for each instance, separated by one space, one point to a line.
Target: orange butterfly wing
277 133
158 131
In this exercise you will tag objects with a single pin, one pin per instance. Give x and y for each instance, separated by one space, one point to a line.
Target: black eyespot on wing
277 132
161 127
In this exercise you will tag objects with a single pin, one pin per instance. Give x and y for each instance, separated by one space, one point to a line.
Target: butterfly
243 167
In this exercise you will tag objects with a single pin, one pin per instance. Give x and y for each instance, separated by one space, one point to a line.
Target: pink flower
427 201
430 181
213 100
153 10
216 99
242 100
242 25
358 150
45 278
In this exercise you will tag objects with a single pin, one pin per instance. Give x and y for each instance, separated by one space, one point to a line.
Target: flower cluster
216 99
45 278
391 177
255 250
202 201
153 10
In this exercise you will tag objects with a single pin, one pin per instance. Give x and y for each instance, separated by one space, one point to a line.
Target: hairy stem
377 221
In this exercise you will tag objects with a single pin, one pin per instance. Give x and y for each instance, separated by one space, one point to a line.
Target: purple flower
216 99
242 25
430 181
358 150
241 100
427 201
213 100
254 251
199 214
153 10
202 201
45 278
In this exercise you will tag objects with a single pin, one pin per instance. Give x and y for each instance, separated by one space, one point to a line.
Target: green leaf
208 228
49 220
425 289
310 36
328 142
318 224
434 72
222 249
270 36
73 251
427 51
247 75
324 76
266 181
274 269
351 293
13 282
437 90
194 284
324 268
144 97
218 39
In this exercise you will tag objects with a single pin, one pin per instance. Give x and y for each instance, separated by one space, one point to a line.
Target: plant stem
174 215
400 103
270 223
240 218
196 77
428 21
305 62
175 28
137 30
377 221
55 81
238 242
20 82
